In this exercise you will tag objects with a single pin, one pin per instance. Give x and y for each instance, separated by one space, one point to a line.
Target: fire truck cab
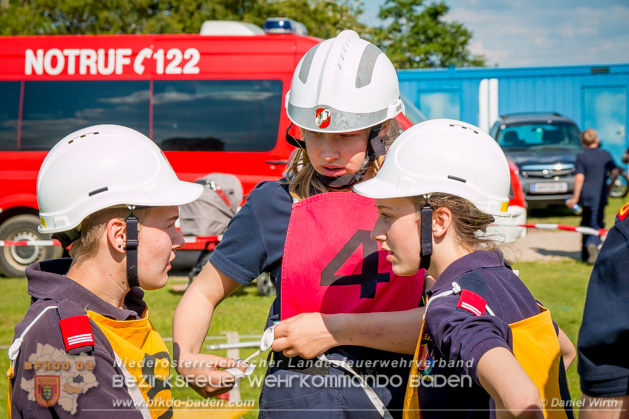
213 103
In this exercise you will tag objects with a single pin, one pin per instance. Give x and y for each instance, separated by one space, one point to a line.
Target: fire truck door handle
277 162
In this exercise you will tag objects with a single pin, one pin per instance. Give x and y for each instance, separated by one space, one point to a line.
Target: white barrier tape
188 239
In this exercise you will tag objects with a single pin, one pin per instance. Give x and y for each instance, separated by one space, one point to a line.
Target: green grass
561 286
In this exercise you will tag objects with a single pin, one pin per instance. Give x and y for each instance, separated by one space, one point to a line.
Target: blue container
576 208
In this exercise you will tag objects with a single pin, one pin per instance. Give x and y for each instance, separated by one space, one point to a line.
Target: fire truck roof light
284 25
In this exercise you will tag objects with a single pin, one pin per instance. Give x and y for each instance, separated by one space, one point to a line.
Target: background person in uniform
331 298
110 192
435 208
604 335
590 190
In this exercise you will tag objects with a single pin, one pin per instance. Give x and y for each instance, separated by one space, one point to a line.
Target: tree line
413 33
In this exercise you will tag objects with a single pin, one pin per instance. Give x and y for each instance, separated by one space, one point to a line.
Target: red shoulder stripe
472 302
76 332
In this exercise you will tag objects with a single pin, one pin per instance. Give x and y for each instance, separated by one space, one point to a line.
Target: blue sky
539 33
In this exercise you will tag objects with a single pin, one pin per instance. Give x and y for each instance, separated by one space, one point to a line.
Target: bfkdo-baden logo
58 378
322 117
47 389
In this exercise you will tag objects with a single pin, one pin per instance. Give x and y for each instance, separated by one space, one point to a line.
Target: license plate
549 187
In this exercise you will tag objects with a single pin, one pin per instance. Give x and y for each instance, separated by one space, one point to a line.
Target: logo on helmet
322 117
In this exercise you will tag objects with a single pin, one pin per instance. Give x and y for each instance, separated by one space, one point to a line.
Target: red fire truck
213 103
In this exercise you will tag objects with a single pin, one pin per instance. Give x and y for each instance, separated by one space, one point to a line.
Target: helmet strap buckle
425 235
131 248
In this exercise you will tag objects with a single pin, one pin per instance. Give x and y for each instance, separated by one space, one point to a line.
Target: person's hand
570 202
305 335
204 373
429 281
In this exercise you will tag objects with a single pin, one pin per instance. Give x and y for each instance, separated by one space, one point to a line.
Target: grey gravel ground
545 245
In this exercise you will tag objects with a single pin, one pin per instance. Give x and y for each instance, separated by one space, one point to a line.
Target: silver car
544 147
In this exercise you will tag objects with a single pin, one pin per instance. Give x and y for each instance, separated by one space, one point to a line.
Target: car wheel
265 285
620 187
15 259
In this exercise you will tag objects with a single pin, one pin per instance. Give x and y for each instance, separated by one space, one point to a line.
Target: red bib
331 265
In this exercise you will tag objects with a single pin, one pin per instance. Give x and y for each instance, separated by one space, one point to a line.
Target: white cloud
532 33
543 33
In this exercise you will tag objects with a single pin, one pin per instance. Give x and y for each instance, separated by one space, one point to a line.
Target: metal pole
234 353
235 345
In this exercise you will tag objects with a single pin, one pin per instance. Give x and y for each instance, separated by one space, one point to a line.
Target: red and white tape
30 243
188 239
587 231
202 239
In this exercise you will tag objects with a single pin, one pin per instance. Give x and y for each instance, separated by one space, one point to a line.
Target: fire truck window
52 110
216 115
9 113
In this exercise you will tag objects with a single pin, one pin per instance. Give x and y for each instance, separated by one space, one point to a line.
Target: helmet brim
178 193
380 189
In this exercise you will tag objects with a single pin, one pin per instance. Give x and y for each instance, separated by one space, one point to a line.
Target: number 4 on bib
331 265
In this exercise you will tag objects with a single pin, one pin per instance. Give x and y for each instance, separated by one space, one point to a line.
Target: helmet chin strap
292 140
67 237
345 180
425 235
375 149
131 247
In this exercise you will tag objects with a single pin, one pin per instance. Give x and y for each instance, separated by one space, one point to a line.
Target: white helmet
343 84
104 166
447 156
